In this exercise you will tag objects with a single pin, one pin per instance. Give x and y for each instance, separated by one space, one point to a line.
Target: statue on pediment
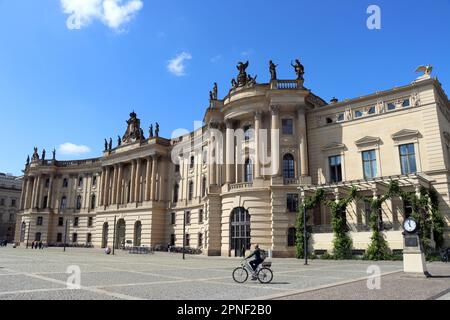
134 132
242 77
273 70
151 131
35 156
157 130
299 69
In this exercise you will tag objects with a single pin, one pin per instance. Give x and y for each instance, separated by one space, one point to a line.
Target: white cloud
113 13
73 149
216 58
176 65
247 53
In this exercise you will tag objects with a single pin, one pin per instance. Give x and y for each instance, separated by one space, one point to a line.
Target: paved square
41 274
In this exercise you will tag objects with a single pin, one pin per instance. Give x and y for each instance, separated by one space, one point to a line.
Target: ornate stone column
303 147
230 163
212 163
137 191
154 169
29 196
275 140
38 191
119 184
258 116
148 178
114 186
132 180
49 193
106 188
23 194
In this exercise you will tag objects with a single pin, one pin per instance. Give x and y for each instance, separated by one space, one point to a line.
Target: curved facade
237 180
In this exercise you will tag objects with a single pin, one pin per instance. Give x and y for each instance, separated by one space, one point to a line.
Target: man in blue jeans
257 261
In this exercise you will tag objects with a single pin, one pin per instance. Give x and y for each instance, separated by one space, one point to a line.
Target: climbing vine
308 203
342 242
379 248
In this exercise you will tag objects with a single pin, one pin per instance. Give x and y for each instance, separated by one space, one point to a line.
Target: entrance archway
137 234
23 228
120 234
105 235
240 238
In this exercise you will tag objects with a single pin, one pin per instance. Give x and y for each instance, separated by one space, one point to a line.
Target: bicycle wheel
265 275
240 275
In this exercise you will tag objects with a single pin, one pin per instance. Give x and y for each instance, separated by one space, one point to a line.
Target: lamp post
305 236
28 233
184 235
65 235
114 235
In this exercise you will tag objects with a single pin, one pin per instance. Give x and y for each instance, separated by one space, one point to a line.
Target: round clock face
410 225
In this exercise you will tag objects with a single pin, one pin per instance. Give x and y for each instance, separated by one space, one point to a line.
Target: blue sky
60 84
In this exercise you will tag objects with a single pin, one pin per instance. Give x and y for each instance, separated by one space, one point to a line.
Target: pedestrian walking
32 245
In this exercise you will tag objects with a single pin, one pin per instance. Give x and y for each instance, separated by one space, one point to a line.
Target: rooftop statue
215 90
35 156
119 141
157 130
425 69
43 154
273 70
106 145
233 84
134 132
54 154
242 77
110 144
299 69
151 131
28 161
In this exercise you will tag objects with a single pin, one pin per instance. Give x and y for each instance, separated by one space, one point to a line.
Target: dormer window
358 114
391 106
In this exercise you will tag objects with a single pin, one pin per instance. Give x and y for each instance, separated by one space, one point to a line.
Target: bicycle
263 272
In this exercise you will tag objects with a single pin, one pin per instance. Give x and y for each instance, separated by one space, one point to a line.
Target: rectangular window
177 168
200 216
188 217
89 238
188 240
369 159
192 162
37 236
200 240
292 202
173 217
74 237
371 110
90 221
406 103
408 158
335 168
172 239
59 237
39 221
340 117
94 181
2 202
358 114
60 221
13 203
75 221
287 126
291 237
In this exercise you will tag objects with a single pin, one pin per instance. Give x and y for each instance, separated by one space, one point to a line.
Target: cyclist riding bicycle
259 258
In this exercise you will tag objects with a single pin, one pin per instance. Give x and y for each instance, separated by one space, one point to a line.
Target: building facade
238 179
10 190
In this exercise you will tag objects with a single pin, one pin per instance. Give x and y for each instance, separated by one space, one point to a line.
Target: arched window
93 198
63 203
248 133
191 190
65 183
248 174
175 193
204 187
78 202
80 182
288 166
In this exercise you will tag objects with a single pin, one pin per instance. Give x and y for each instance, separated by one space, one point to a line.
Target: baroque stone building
237 180
10 189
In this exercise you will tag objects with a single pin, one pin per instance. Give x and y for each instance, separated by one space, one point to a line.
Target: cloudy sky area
71 71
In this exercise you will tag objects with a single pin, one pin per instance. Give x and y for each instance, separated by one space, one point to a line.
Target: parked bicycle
263 272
